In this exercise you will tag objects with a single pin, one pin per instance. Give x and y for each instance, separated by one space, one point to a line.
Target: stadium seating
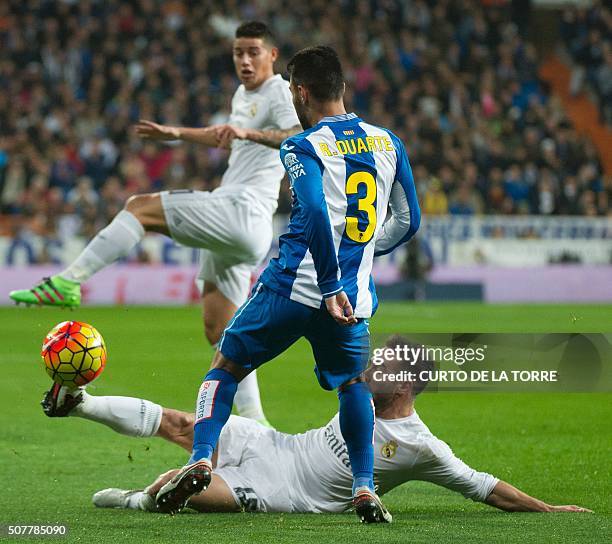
483 133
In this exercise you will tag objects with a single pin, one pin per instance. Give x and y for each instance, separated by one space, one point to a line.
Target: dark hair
319 70
255 29
420 365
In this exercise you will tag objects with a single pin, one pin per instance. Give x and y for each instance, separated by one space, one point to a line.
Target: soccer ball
73 353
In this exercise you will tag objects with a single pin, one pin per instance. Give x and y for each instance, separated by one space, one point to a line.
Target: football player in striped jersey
344 173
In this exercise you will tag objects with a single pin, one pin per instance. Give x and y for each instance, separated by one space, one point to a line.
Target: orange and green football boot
53 291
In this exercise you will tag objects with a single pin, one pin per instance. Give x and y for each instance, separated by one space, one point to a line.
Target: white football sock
125 415
111 243
247 400
141 501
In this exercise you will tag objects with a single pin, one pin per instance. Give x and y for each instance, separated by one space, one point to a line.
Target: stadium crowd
587 35
456 80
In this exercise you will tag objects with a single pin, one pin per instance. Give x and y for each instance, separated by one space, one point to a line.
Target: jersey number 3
365 204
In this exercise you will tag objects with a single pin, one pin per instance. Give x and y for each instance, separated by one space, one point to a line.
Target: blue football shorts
268 323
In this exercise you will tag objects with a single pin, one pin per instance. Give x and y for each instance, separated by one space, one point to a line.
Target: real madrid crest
253 109
388 449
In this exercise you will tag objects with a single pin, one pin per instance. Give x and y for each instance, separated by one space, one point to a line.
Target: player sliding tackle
344 173
232 224
260 469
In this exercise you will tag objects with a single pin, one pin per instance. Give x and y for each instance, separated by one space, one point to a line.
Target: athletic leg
214 405
217 311
125 415
266 325
141 213
218 497
225 287
213 409
138 418
341 355
263 327
357 427
177 427
248 399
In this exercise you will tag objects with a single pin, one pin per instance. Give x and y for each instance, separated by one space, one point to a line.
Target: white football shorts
252 464
233 230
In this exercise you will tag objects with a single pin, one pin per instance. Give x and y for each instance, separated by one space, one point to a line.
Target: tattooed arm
271 137
215 136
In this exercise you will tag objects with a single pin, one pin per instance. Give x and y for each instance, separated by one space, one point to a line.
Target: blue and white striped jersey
344 174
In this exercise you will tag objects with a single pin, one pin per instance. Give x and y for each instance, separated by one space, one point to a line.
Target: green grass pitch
554 446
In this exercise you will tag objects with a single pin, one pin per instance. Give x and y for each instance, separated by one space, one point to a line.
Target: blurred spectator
434 200
603 80
83 195
515 184
465 201
15 183
587 34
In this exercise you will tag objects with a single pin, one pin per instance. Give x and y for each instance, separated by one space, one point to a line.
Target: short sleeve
282 112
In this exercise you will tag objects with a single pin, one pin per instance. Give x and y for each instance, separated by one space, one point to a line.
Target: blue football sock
357 426
213 409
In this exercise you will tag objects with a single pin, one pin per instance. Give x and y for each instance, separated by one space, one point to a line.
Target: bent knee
213 329
147 209
136 203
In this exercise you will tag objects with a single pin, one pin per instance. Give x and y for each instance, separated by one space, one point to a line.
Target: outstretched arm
444 468
214 136
507 497
208 136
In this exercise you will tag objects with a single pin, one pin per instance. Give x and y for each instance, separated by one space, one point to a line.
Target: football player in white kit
232 224
259 469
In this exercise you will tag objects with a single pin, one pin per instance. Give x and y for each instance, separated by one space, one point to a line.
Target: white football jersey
404 450
257 167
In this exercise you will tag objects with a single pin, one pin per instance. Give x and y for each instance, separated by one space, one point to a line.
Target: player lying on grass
258 469
232 224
